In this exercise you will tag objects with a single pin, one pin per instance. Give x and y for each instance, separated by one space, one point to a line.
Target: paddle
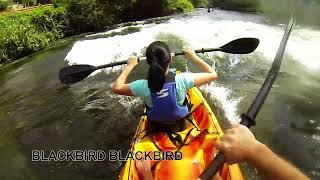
248 119
76 73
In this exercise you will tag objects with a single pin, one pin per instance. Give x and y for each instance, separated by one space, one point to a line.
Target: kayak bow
197 153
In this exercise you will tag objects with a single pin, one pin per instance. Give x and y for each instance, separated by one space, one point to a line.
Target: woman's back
158 58
184 81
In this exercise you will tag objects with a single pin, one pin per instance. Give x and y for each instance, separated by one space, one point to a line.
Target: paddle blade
75 73
241 46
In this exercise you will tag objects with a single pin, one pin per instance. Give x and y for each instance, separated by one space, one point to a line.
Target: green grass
24 33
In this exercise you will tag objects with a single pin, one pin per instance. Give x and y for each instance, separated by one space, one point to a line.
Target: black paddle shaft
112 64
238 46
73 74
248 119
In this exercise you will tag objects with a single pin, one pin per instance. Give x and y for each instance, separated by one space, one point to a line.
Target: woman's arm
238 144
120 87
208 75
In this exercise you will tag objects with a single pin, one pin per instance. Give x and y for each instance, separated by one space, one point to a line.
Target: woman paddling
164 92
159 88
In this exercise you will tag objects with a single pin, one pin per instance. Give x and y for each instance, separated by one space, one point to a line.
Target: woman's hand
133 61
189 53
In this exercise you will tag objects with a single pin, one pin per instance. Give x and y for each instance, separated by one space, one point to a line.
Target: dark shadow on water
39 113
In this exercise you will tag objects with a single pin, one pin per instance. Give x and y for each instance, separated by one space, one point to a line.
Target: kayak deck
196 154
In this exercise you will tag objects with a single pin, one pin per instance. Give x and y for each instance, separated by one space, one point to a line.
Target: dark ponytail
158 57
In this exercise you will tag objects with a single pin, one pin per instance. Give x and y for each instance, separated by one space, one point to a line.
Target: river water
39 113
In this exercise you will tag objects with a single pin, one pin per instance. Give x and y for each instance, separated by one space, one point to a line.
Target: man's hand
238 144
133 61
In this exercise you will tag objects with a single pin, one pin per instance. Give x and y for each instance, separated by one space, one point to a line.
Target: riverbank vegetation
237 5
23 33
27 32
4 5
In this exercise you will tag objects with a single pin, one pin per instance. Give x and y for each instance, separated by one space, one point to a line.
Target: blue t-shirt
184 82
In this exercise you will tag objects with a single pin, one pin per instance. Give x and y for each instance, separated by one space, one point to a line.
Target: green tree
149 8
238 5
4 5
179 6
27 3
60 3
89 15
199 3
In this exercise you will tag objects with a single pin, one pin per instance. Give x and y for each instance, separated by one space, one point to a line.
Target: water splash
200 31
203 30
234 59
222 96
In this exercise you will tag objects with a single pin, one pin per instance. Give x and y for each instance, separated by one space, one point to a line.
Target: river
37 112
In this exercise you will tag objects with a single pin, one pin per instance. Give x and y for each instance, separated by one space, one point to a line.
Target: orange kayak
197 153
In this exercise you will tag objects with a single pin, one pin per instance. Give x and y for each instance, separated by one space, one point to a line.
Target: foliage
199 3
23 40
141 9
51 20
91 15
44 1
27 32
24 33
4 5
60 3
28 2
179 6
238 5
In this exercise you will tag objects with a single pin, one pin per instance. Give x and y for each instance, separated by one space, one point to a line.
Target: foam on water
222 96
203 30
199 32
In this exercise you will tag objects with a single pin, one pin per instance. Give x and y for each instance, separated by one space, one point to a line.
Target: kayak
197 152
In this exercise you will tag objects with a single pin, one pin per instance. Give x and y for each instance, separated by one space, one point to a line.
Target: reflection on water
37 112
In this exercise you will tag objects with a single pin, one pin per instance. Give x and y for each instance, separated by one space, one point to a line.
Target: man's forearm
270 166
